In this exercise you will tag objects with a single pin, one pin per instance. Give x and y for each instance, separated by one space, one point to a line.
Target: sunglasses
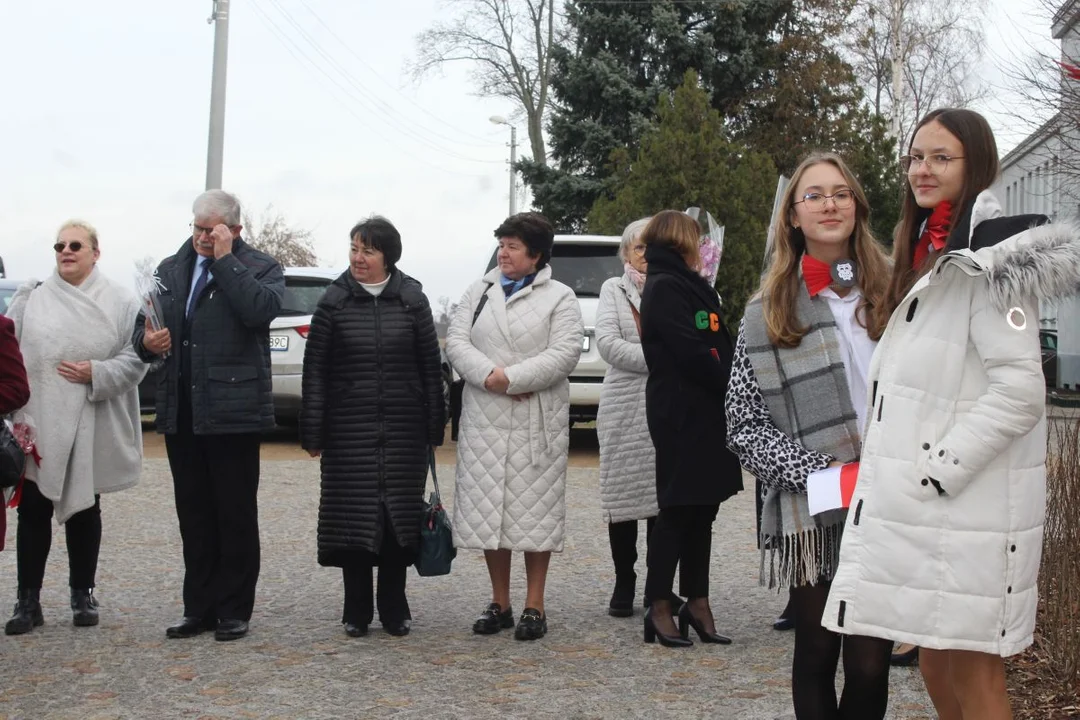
75 246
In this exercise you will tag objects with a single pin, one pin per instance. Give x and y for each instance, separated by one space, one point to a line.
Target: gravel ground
297 662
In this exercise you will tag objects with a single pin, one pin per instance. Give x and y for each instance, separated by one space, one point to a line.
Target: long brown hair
780 285
981 169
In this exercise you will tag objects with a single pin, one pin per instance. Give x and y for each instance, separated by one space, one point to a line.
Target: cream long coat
957 398
627 457
512 455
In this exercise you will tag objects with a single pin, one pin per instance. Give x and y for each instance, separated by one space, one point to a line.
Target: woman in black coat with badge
372 409
688 351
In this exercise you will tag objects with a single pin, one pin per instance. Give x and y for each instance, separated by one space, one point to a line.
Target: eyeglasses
638 249
934 163
815 202
198 230
75 246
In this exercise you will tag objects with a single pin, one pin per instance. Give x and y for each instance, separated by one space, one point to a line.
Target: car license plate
279 342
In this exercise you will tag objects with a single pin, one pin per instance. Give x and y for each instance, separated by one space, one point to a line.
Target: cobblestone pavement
297 662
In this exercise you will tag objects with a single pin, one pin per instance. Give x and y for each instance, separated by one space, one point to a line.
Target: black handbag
12 457
437 549
457 387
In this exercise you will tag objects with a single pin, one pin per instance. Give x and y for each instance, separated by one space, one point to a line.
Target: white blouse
856 347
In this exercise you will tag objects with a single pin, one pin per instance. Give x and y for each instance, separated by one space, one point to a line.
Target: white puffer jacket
512 455
957 400
627 457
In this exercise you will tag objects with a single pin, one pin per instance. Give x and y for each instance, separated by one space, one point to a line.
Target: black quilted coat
373 404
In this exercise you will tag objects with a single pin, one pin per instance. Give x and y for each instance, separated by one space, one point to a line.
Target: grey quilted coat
627 458
511 455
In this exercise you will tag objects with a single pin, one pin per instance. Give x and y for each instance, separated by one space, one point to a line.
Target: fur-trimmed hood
1022 255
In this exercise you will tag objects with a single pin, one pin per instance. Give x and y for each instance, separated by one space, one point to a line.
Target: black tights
34 540
817 653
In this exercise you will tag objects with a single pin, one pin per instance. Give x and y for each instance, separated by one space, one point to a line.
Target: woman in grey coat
627 458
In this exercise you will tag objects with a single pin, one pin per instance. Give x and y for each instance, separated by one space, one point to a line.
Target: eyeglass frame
825 198
197 230
75 245
931 161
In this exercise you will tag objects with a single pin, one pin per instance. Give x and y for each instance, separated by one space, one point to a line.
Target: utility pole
500 120
215 153
513 172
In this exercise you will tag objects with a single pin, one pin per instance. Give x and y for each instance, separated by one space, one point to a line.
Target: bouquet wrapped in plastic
148 286
711 245
22 433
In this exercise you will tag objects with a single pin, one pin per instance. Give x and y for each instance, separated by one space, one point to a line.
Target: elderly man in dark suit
214 397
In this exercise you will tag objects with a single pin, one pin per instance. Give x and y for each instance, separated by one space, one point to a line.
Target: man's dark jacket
227 338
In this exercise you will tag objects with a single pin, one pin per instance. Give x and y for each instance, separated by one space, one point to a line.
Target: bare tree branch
292 247
915 55
508 59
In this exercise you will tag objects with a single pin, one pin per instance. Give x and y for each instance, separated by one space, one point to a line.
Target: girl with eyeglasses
943 542
795 406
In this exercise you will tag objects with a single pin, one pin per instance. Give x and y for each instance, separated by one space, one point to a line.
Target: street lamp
500 120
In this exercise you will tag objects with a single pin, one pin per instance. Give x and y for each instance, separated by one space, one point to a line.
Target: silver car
288 335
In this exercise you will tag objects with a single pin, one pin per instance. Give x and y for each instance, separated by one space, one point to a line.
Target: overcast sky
106 111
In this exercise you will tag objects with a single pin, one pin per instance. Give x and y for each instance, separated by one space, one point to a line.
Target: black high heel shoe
652 634
687 621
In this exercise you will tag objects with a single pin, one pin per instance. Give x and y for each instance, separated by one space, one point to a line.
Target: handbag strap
434 477
475 316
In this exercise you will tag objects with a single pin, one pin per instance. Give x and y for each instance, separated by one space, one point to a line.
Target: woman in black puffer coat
372 409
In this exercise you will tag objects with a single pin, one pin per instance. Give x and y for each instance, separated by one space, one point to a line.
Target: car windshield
5 299
584 267
302 295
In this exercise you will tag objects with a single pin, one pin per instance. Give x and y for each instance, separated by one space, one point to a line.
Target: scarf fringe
804 558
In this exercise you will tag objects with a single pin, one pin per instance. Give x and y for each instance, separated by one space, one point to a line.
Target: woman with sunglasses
74 330
943 543
795 403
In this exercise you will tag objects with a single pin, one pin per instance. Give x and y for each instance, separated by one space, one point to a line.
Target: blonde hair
678 231
90 230
780 285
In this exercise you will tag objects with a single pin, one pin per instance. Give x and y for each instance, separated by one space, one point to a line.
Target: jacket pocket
232 394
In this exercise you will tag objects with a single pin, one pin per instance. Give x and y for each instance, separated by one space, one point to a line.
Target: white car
304 286
584 262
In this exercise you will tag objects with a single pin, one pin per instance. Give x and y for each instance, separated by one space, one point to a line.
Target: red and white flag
831 488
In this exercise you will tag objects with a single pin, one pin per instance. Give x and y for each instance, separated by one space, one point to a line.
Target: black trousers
357 573
817 654
216 484
623 539
34 540
682 536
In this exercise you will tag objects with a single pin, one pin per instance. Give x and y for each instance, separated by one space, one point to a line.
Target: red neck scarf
935 235
816 274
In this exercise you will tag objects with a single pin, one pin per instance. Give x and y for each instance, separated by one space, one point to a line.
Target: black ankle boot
622 598
84 607
27 613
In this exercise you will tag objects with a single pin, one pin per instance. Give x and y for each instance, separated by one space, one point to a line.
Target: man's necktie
200 284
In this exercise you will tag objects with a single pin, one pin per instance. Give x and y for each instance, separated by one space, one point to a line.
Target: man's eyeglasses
75 246
815 202
934 163
198 230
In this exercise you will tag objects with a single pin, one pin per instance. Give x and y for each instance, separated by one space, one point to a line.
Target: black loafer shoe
230 630
398 629
189 627
531 626
493 619
354 630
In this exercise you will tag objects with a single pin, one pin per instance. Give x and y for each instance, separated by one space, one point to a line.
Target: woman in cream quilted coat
627 457
515 337
943 541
